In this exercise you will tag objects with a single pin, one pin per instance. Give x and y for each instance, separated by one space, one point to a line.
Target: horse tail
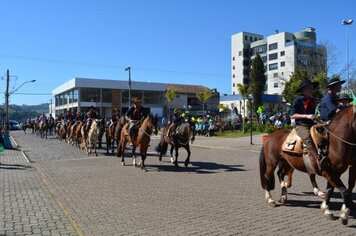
263 168
162 147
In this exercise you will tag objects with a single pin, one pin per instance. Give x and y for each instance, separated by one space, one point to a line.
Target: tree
243 91
322 79
170 95
204 97
291 86
258 81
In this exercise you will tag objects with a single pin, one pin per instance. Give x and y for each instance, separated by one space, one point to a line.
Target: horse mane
341 114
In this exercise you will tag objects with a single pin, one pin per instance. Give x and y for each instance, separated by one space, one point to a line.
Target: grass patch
235 134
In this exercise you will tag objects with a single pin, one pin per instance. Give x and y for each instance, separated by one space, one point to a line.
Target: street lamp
30 81
250 99
129 69
347 23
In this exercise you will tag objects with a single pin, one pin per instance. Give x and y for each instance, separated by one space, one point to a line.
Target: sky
169 41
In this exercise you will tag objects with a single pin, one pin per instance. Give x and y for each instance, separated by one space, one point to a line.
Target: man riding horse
89 116
134 115
303 110
178 118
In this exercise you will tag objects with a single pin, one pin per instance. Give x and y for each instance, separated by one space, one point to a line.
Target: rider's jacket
306 106
136 113
328 107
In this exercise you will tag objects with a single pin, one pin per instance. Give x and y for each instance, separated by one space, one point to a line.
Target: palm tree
204 97
244 92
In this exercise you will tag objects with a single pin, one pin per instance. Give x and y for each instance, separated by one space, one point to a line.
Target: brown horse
147 126
68 129
113 134
182 138
342 131
76 134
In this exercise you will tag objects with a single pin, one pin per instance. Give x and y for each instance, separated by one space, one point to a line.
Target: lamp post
250 99
347 23
129 69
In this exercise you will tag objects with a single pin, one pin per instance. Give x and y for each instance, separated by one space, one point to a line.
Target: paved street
64 192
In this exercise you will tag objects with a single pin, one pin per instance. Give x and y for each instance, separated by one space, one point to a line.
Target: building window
250 38
233 93
273 56
259 49
255 39
153 97
233 84
233 67
275 85
272 46
233 58
240 53
282 53
283 63
106 95
246 37
275 75
90 95
264 59
273 66
233 75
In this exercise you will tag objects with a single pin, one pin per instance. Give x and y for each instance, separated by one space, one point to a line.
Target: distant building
81 93
240 105
281 53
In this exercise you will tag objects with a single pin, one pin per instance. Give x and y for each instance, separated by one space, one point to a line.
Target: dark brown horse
342 137
113 134
182 138
147 126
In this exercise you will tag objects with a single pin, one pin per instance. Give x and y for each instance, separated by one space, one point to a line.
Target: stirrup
323 162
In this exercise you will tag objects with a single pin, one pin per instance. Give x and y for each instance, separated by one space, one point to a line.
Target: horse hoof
330 217
186 164
272 204
160 158
283 201
344 221
123 163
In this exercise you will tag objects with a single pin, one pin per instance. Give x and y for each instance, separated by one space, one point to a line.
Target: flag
353 97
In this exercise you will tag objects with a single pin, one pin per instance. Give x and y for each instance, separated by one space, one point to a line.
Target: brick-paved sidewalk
26 206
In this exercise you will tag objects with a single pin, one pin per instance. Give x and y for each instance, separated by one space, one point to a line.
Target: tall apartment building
281 53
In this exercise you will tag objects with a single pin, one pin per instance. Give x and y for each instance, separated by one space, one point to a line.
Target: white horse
92 138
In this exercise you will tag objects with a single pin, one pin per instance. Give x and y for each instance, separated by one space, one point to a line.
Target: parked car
14 125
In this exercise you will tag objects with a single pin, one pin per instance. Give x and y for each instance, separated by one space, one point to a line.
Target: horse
68 129
51 125
180 139
91 138
43 128
342 130
60 130
147 126
76 134
101 133
113 134
25 126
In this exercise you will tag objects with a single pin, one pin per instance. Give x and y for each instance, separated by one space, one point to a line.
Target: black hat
305 83
345 97
335 80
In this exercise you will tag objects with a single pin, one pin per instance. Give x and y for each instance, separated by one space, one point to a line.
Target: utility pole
129 69
7 102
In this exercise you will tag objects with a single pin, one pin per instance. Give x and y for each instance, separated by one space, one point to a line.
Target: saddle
294 144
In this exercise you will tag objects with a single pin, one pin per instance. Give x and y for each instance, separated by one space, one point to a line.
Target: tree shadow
196 167
14 167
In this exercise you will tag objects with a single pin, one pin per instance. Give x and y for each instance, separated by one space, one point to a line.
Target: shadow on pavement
197 167
14 167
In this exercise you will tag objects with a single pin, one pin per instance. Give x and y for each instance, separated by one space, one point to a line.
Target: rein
342 140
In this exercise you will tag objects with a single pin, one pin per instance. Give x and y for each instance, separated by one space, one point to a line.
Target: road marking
231 148
24 155
14 141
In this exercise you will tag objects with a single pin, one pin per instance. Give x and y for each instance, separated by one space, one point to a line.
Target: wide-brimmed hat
176 110
334 81
136 100
344 97
115 109
306 83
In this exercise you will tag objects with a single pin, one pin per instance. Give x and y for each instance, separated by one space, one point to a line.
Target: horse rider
42 118
68 117
134 115
329 105
303 110
178 118
89 116
77 119
344 101
115 115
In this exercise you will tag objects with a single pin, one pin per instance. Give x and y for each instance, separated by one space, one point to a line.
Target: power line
108 66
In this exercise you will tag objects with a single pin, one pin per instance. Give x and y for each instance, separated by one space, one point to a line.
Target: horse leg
143 158
94 143
316 190
267 166
284 169
112 146
325 204
187 148
134 164
335 182
351 182
176 157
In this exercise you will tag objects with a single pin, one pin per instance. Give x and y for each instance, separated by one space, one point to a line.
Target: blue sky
178 41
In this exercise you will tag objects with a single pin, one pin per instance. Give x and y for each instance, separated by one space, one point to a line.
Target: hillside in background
23 112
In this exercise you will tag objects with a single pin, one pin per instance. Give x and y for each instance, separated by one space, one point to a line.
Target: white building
281 52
